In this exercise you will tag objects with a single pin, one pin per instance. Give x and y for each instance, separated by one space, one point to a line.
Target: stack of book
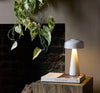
62 77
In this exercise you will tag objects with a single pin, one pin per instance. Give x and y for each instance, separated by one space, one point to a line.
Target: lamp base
62 77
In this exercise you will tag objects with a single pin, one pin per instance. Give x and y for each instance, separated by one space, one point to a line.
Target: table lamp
74 75
74 44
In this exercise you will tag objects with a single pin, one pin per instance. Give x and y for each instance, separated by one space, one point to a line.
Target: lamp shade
74 44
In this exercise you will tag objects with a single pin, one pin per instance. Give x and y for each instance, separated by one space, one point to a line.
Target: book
62 77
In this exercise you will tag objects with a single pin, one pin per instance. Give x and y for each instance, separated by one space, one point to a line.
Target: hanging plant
25 11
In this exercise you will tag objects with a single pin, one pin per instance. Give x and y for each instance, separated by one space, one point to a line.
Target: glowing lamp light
74 44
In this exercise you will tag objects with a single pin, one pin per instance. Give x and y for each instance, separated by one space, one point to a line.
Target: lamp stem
74 65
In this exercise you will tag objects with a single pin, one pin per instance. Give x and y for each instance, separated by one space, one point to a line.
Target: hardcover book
62 77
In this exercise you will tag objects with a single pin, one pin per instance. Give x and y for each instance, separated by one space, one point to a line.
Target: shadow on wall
73 6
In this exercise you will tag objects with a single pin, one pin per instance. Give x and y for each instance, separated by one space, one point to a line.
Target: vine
25 11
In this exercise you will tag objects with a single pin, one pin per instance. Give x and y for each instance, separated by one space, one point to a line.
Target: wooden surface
50 87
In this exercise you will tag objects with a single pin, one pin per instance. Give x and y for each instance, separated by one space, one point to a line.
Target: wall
82 19
6 12
84 25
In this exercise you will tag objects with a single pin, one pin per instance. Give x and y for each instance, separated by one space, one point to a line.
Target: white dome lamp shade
74 44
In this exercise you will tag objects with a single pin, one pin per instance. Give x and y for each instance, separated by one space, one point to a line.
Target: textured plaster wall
82 20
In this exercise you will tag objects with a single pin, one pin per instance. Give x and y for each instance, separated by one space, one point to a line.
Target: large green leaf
45 32
36 52
34 30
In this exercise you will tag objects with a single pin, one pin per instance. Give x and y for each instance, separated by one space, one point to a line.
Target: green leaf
36 52
41 1
27 23
14 45
16 6
34 30
51 23
21 32
18 29
45 32
19 10
32 6
31 1
26 5
33 34
32 26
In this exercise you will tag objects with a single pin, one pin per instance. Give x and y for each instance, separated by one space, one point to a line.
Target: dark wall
17 68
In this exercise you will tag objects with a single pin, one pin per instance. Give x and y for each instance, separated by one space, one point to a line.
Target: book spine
61 80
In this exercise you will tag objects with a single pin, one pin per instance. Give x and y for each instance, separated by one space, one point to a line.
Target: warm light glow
74 66
74 53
